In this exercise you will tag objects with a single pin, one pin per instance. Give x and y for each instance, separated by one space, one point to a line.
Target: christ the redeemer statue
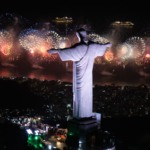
82 55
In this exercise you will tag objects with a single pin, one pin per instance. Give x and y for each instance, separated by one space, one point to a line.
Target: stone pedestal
79 131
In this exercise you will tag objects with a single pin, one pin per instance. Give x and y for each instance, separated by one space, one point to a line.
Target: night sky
99 13
95 10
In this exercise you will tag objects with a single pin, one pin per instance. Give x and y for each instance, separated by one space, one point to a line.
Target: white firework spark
138 46
132 48
97 38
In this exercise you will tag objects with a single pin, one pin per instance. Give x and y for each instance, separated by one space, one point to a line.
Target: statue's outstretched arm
66 54
53 51
108 45
102 48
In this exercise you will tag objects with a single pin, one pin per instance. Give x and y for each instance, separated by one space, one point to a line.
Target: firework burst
6 42
35 41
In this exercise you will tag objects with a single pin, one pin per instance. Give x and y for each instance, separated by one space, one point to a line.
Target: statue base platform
84 123
79 131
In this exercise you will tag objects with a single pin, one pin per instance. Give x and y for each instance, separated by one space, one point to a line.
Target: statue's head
82 35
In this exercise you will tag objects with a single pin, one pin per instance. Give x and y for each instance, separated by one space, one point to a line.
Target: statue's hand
52 51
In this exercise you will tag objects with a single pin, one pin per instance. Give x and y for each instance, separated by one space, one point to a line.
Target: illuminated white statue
82 55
